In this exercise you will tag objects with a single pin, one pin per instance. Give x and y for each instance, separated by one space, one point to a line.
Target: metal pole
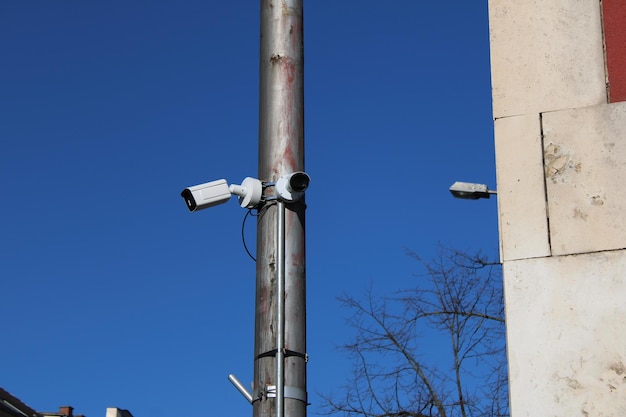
281 151
280 309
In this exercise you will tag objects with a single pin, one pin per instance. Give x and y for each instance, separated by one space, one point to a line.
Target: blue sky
113 294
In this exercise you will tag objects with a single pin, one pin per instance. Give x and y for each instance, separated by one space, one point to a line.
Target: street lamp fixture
470 191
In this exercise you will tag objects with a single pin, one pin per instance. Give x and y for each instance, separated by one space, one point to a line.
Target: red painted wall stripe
614 12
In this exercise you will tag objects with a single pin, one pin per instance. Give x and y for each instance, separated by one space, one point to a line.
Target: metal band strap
290 392
287 353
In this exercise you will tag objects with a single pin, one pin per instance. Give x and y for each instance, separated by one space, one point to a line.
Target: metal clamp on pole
289 392
286 352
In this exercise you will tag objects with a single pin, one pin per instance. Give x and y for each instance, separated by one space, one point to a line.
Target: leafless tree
437 350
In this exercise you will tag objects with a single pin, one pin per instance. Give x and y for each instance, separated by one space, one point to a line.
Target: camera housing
206 195
291 187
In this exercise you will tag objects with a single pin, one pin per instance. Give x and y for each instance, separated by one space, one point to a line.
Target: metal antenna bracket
240 387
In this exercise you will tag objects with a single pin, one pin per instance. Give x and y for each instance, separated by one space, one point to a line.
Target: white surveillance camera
217 192
291 187
206 195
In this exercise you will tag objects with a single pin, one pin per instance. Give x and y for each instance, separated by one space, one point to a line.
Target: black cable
260 212
243 237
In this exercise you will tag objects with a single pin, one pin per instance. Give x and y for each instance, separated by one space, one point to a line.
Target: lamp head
470 191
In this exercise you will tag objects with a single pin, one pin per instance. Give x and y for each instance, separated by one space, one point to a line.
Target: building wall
560 132
117 412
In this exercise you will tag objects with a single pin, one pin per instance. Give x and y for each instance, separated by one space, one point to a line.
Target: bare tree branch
400 369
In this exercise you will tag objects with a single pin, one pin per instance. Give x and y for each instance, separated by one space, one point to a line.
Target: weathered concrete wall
585 164
521 188
562 181
566 335
545 55
561 167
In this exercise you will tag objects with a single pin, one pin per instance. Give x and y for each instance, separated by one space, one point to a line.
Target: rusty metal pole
281 152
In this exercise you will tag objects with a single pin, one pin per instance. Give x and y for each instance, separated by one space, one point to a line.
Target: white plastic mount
249 192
